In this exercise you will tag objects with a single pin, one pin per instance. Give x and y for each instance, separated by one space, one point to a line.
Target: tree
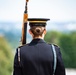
52 37
67 43
5 57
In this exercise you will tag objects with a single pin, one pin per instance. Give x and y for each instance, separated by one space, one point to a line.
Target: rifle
24 26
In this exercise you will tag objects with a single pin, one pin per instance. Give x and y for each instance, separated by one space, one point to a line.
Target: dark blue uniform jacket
36 58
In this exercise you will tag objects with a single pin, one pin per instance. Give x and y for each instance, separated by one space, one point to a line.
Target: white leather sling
55 58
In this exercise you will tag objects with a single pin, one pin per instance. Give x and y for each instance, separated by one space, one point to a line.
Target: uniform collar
37 41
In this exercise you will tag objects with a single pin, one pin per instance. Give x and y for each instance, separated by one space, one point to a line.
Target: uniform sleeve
60 69
17 67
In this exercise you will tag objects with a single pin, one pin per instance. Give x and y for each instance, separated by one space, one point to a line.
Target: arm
60 69
17 67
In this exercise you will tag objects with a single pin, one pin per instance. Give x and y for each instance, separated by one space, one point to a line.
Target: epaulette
56 45
20 46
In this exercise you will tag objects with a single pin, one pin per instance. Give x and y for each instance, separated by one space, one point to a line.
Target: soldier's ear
44 31
30 32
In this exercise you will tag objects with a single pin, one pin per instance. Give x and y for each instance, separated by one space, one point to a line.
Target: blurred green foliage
6 57
67 43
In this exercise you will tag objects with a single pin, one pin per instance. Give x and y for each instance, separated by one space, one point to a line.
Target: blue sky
56 10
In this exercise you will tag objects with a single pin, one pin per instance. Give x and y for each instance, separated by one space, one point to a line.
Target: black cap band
37 24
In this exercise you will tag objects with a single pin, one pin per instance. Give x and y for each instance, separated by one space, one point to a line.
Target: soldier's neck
38 38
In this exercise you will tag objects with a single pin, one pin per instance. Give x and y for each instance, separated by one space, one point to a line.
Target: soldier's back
37 58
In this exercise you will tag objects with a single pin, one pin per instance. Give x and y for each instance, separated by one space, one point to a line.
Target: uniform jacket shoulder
23 45
55 45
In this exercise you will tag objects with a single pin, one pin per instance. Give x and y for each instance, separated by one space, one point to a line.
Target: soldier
37 57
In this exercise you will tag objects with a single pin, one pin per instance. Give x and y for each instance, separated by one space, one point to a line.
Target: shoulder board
54 45
22 45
